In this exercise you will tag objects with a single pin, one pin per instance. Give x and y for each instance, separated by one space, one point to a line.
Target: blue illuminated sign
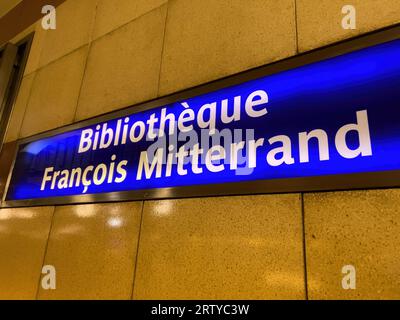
332 117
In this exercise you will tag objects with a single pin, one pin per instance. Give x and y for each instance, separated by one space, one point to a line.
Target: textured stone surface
319 22
36 49
359 228
221 248
206 40
75 20
54 94
19 108
123 66
93 248
111 14
23 237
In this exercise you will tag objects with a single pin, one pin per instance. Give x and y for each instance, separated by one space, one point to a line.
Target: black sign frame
383 179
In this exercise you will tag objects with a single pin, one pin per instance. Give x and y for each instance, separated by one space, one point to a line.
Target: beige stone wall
108 54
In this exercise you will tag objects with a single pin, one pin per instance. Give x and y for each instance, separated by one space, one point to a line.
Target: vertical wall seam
162 50
296 27
301 194
45 251
304 245
137 249
19 79
35 74
86 60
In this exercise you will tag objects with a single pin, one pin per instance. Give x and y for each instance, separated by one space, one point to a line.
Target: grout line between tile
162 51
89 46
304 245
137 249
45 251
296 27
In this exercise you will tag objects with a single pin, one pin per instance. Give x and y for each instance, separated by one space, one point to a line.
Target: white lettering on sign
126 131
280 152
102 173
164 159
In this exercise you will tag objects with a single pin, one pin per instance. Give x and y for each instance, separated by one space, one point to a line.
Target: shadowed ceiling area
7 5
17 15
